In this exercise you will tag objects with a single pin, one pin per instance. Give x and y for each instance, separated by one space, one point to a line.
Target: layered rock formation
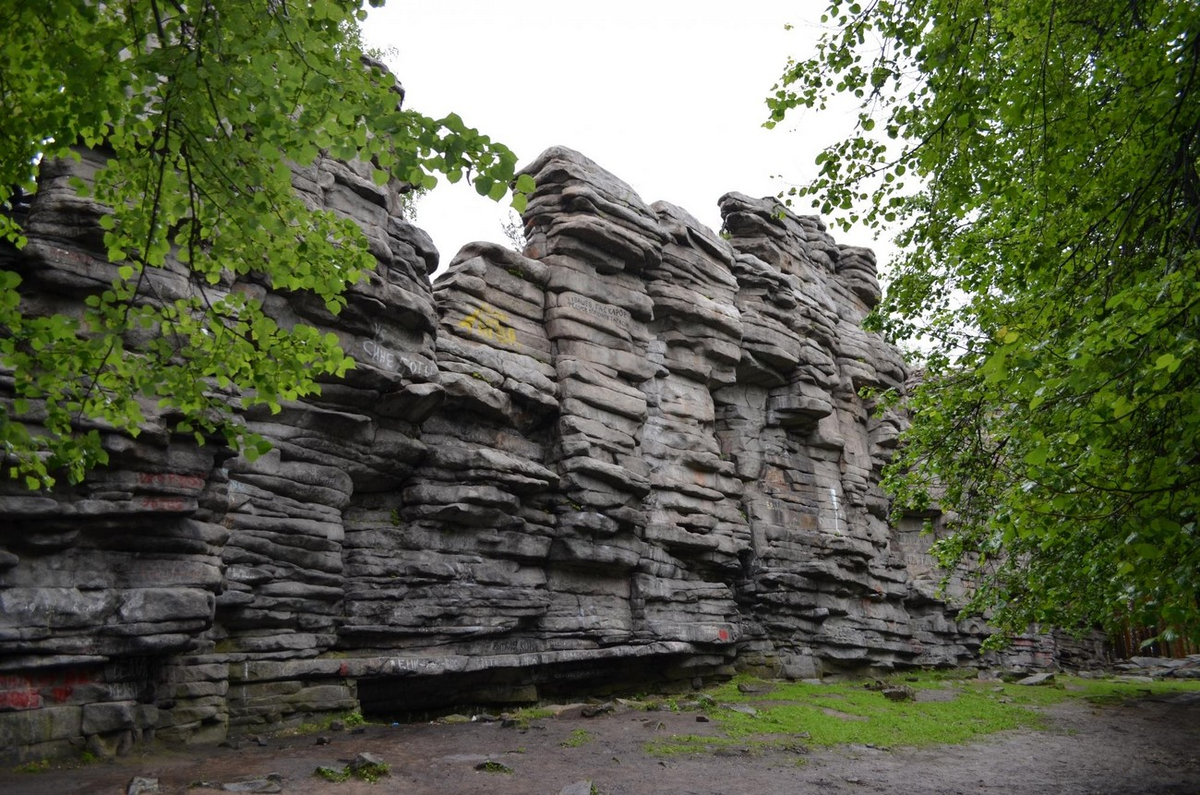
635 454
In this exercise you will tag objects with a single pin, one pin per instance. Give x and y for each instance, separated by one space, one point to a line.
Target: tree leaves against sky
1038 161
203 110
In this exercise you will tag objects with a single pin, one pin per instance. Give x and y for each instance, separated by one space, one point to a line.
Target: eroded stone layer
636 454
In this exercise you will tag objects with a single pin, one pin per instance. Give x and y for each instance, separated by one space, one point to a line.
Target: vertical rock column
103 582
826 584
596 237
285 571
694 520
451 567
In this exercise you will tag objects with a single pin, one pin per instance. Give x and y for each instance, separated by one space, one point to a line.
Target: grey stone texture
635 454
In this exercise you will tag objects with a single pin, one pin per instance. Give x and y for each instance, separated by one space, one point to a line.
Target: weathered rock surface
635 453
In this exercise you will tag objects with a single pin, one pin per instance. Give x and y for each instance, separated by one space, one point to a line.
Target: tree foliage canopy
202 108
1039 161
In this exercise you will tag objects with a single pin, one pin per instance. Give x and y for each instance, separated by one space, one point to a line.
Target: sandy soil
1141 747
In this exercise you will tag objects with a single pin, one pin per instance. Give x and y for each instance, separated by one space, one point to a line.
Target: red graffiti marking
161 504
21 691
173 479
19 699
723 634
344 669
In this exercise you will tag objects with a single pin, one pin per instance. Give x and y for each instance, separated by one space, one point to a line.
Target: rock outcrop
636 454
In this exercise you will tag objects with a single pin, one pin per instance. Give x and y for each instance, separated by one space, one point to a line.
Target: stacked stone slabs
282 609
694 519
103 581
595 237
645 542
452 565
620 459
827 585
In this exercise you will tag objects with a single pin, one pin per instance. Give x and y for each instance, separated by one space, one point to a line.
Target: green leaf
525 184
1037 456
1167 362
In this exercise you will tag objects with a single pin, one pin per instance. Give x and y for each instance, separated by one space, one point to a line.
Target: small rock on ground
592 710
899 693
140 785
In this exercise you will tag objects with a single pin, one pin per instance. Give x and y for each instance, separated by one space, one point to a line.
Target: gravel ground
1141 747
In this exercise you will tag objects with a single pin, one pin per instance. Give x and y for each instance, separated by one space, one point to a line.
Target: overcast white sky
666 94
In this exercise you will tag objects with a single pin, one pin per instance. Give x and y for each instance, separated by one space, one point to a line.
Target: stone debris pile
1162 667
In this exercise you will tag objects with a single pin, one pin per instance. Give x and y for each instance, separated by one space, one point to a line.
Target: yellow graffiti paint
491 324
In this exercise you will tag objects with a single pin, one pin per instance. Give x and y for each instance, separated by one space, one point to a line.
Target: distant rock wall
635 454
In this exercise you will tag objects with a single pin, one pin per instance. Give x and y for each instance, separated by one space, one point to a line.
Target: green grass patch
1108 691
347 719
577 738
523 716
960 711
682 744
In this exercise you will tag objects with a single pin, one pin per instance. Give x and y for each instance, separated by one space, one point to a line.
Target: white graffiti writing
599 310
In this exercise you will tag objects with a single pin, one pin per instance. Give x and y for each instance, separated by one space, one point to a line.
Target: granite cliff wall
634 454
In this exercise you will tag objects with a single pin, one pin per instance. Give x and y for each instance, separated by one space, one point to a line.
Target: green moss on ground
795 715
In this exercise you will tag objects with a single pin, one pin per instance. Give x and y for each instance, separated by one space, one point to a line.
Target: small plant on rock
365 767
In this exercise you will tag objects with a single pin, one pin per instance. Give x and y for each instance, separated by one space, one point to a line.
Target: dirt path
1141 747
